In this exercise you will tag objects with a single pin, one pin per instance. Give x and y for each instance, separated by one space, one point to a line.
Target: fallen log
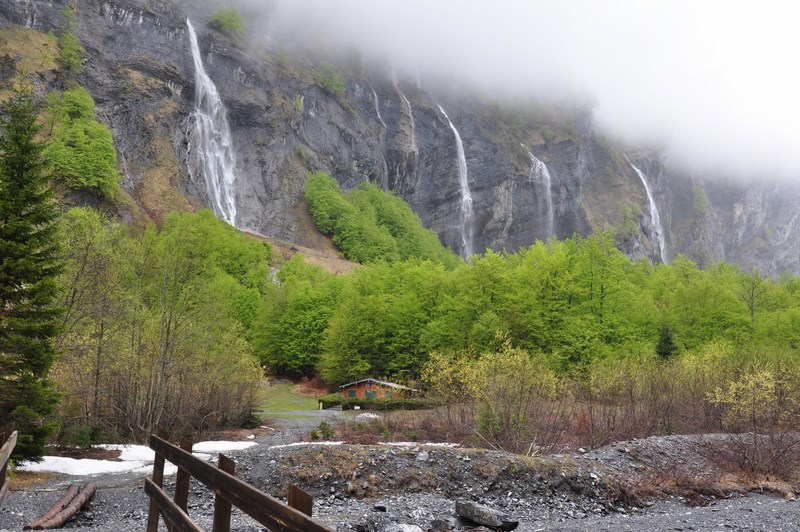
62 503
65 509
483 515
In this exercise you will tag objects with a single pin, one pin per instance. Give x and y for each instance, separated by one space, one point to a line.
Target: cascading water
467 215
539 172
654 216
210 151
378 108
408 111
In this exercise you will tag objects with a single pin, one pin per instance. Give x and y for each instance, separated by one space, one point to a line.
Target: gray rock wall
139 70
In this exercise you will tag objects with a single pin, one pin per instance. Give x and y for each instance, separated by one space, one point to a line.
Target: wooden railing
8 439
228 491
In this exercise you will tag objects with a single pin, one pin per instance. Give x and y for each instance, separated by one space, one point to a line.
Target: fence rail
8 439
229 491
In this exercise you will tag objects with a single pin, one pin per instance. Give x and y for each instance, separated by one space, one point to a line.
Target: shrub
70 50
81 151
330 79
229 21
337 399
699 200
370 225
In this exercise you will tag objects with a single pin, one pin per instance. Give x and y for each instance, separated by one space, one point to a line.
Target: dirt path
418 485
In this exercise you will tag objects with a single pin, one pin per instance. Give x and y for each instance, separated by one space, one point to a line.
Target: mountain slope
285 122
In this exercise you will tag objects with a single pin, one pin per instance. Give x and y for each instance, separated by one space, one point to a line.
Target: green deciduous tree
30 261
81 151
370 225
156 331
70 49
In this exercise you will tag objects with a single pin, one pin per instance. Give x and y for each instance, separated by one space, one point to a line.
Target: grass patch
285 399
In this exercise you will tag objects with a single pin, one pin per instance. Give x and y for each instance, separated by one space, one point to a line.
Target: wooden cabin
375 389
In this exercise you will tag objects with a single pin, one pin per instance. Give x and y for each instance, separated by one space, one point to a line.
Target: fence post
182 480
8 439
158 480
300 500
222 507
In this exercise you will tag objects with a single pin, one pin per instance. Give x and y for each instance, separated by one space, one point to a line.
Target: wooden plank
222 507
182 480
300 500
265 509
7 448
175 518
4 489
158 480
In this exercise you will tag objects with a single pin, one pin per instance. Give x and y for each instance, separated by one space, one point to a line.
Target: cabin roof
382 383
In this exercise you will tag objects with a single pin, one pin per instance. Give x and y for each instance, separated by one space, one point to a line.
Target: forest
175 323
170 325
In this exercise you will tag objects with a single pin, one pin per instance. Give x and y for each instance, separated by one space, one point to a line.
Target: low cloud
715 82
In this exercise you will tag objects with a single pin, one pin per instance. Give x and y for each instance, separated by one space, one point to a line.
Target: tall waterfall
210 151
378 108
654 216
467 215
408 111
539 172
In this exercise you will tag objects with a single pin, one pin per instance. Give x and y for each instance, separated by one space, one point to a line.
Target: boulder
483 515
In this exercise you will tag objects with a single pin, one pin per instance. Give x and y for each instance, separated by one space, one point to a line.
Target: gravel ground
418 485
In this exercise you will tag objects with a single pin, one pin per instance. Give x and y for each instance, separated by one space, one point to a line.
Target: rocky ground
399 487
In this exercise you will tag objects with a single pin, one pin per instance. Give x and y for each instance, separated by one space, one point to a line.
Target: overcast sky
718 81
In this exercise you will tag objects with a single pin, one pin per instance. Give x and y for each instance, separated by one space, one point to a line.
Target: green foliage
30 261
699 200
290 329
81 152
71 52
666 346
298 104
158 321
329 79
370 225
629 226
229 21
323 431
508 385
337 399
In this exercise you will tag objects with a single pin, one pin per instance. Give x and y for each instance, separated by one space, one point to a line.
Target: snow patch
132 459
417 444
306 443
221 446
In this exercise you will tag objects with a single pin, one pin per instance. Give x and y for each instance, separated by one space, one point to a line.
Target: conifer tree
666 346
30 260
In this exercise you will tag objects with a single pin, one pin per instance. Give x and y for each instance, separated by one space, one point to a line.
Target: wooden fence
8 439
228 491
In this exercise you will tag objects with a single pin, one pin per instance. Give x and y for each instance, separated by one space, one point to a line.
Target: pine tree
30 260
666 347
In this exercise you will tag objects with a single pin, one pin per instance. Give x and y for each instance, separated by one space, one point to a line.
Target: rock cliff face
389 131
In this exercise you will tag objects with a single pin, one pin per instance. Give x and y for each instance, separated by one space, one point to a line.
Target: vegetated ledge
337 399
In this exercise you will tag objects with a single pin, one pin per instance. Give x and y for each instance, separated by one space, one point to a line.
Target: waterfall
539 172
408 111
654 216
467 214
378 108
210 151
